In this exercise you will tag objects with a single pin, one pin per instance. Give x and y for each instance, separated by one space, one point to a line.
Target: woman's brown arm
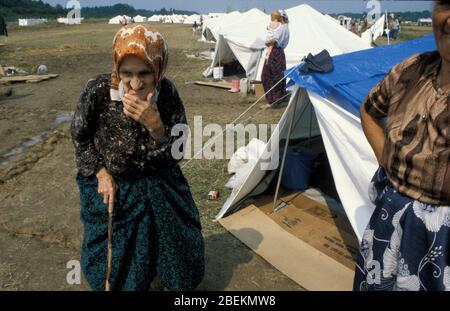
374 132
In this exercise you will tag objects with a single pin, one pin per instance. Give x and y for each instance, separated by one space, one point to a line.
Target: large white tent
334 20
211 25
240 38
336 119
352 160
310 32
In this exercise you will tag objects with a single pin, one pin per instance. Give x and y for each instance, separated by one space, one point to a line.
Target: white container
243 85
218 73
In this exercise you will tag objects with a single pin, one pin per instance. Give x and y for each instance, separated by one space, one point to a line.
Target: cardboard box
307 241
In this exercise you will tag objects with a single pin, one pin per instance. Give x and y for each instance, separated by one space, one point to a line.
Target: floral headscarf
146 43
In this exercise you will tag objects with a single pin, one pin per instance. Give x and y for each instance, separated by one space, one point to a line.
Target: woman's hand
106 187
144 112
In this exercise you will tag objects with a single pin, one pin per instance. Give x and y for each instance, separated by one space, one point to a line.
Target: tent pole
387 27
310 125
284 158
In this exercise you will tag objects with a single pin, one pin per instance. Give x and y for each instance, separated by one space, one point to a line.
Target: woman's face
136 76
441 28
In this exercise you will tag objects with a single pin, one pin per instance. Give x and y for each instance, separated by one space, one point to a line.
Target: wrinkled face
136 76
441 28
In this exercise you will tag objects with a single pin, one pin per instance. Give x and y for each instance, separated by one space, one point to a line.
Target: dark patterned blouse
105 137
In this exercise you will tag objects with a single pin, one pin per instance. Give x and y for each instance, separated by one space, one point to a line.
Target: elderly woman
127 160
406 245
272 76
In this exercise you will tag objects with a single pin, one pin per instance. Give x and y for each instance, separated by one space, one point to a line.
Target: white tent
211 25
216 15
310 32
424 21
31 21
140 19
240 38
191 19
331 18
70 21
119 19
375 31
172 19
352 160
332 122
155 18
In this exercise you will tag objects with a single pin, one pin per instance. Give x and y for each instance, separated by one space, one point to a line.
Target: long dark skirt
272 73
406 245
156 232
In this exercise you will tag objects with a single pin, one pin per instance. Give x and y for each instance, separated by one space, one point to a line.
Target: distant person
353 26
194 27
275 63
3 27
406 119
395 28
122 133
364 25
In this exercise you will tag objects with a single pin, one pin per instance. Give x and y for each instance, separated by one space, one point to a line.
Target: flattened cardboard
307 241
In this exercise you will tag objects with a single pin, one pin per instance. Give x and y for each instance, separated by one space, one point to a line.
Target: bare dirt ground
40 230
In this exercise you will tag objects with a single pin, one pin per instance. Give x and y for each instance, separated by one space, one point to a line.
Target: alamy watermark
74 15
374 13
73 277
214 141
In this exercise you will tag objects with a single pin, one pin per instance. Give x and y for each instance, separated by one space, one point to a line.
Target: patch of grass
407 33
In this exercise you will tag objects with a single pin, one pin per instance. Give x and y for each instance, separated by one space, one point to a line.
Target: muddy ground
40 230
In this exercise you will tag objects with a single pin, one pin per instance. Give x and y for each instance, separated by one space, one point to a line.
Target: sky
207 6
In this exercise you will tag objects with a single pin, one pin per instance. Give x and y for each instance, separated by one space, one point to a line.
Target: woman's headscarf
284 15
144 42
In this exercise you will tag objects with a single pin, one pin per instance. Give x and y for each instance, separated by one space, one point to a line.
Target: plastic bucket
298 167
218 73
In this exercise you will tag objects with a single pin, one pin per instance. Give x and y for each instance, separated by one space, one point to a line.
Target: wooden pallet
223 84
27 79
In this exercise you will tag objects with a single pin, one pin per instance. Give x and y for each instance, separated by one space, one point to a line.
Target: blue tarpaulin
355 74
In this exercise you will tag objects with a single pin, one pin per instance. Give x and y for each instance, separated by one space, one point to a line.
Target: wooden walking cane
109 257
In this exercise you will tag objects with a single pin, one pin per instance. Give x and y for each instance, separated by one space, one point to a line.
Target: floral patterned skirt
406 245
156 232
